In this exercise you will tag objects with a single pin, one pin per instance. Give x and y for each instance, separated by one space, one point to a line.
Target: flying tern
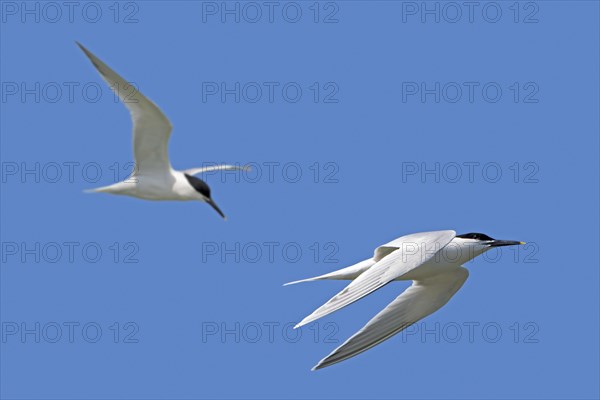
432 260
153 177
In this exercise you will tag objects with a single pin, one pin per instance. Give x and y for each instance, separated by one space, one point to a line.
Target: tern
432 260
153 177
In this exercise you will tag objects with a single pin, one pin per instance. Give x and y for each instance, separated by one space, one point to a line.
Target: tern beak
498 243
217 209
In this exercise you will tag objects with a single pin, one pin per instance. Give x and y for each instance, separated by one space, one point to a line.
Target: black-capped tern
432 260
153 177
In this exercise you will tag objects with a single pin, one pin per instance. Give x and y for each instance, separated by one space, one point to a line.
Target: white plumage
153 177
432 260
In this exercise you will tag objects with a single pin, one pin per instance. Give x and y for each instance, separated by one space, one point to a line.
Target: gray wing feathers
389 268
348 273
210 168
151 128
415 303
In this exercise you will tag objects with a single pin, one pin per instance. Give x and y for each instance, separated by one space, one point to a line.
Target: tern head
204 192
485 242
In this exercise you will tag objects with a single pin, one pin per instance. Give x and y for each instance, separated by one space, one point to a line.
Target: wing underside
415 303
151 128
211 168
415 250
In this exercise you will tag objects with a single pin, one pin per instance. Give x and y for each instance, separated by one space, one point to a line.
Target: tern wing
403 241
412 251
210 168
348 273
151 128
418 301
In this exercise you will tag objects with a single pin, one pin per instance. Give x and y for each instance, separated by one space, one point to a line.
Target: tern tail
348 273
117 188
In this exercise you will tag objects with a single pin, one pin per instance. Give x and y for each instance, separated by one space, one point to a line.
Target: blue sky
363 122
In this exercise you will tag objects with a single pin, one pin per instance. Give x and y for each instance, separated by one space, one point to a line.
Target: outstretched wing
418 301
151 128
210 168
412 251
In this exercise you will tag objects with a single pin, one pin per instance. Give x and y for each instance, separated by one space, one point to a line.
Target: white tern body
153 177
432 260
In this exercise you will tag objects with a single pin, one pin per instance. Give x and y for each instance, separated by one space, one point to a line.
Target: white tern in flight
153 177
432 260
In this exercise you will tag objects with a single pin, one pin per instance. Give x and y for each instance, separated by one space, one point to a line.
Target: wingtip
305 321
88 54
292 283
315 278
320 365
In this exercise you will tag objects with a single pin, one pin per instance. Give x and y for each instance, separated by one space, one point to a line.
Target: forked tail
103 189
348 273
116 188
